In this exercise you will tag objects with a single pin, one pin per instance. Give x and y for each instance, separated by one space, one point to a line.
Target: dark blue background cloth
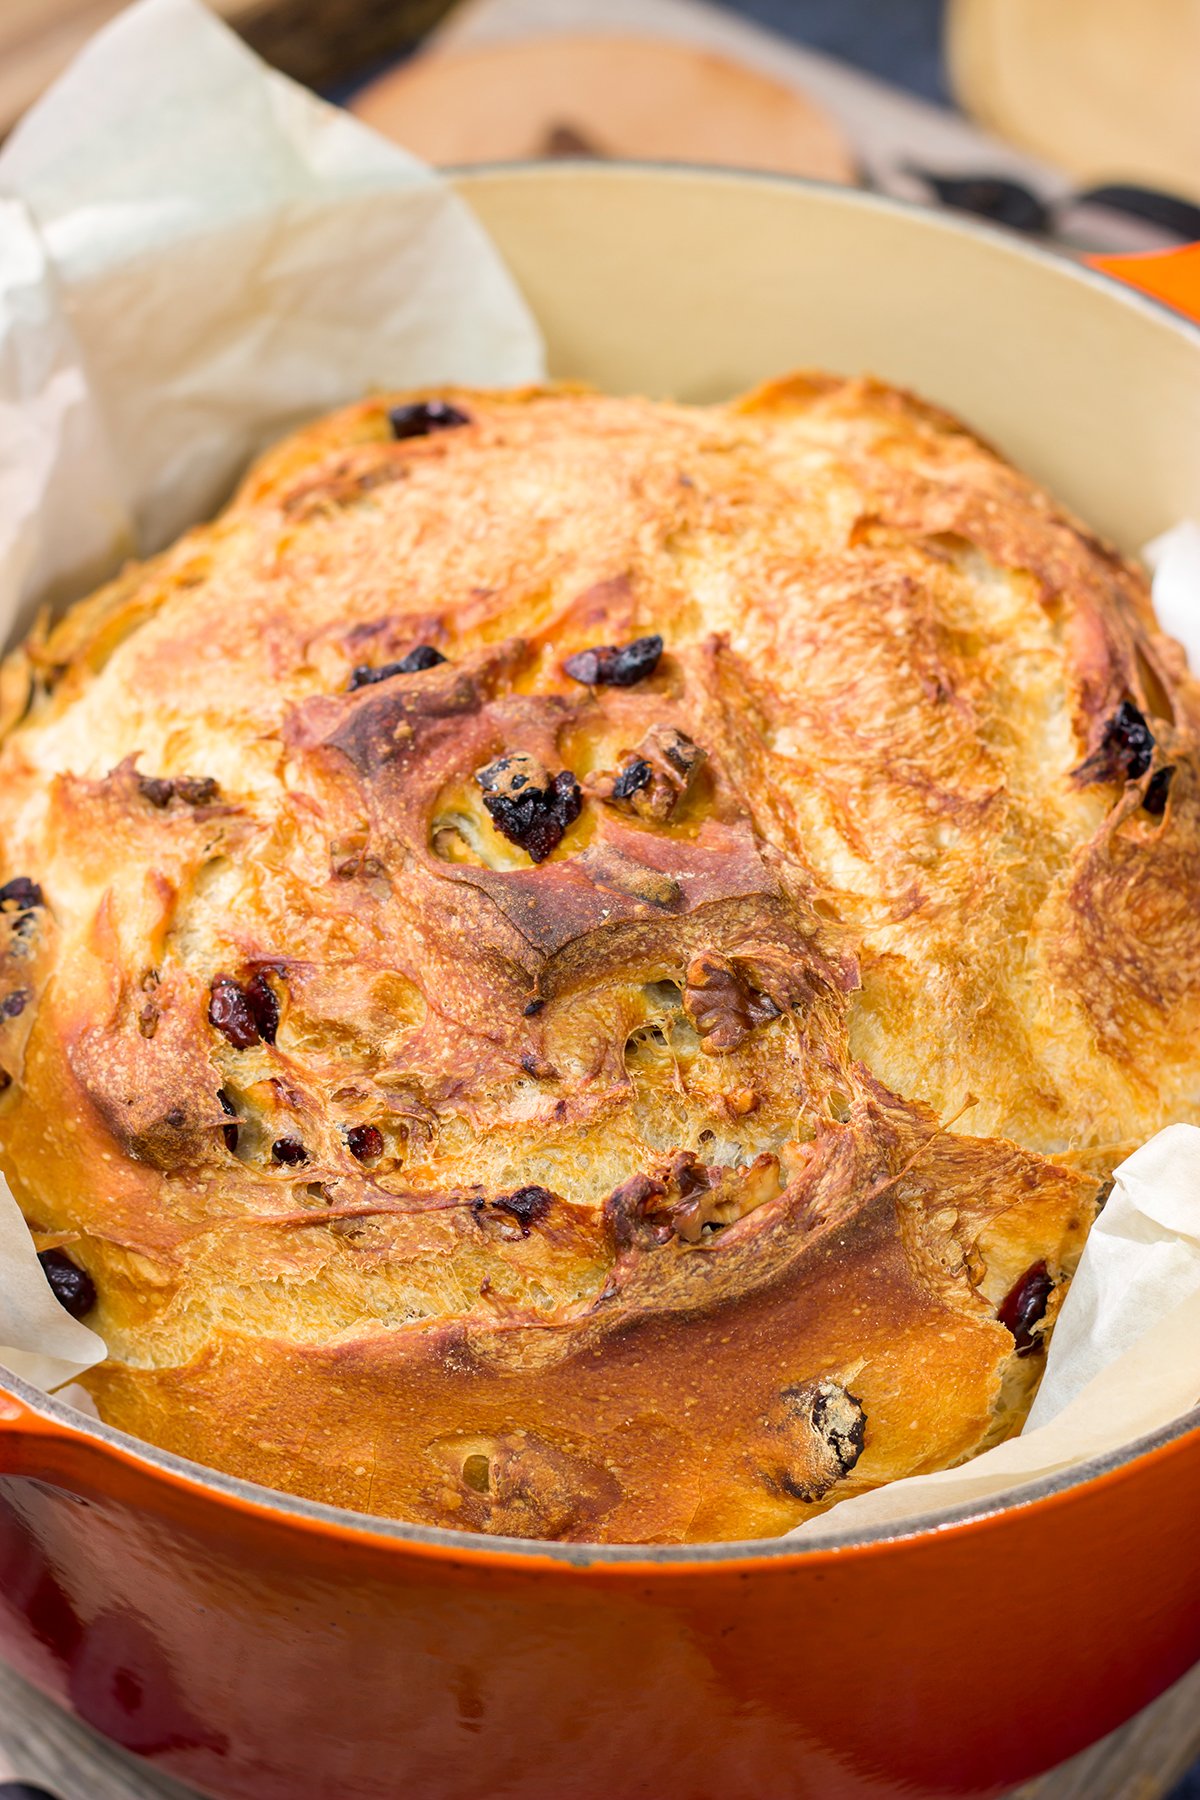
899 40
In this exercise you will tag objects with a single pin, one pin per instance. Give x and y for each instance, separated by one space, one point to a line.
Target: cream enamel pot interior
266 1649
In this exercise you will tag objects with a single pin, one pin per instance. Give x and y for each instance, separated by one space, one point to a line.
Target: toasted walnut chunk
823 1427
190 790
653 781
689 1200
722 1004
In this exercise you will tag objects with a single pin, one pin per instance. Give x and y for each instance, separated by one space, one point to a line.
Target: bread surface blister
577 968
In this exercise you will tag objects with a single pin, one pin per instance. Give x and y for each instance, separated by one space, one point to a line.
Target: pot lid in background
611 96
1105 88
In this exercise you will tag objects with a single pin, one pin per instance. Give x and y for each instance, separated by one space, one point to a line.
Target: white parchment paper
1175 560
195 255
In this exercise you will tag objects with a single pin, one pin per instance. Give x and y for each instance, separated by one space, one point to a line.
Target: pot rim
73 1425
76 1426
938 219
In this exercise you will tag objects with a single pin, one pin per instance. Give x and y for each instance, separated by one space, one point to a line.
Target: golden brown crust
602 1180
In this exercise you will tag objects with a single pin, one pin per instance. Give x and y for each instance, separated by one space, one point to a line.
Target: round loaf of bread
576 968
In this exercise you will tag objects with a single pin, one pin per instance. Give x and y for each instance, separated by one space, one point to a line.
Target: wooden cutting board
1108 89
602 96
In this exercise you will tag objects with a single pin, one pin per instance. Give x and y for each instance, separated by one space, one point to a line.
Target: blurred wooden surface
1107 88
606 96
39 1744
317 41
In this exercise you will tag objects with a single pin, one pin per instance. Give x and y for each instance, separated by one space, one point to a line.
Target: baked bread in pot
575 967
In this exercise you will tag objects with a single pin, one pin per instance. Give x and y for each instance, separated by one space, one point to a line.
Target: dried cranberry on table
615 665
71 1286
1024 1306
526 806
422 657
417 418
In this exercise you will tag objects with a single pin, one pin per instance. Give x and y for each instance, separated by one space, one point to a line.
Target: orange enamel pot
262 1648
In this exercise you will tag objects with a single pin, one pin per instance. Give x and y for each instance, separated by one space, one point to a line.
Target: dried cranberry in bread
576 970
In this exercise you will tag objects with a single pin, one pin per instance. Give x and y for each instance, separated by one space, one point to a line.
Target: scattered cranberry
1024 1306
1126 748
196 790
265 1007
528 1206
230 1011
289 1150
13 1005
365 1142
1157 789
71 1286
229 1132
417 418
193 790
615 665
632 778
526 806
20 895
423 657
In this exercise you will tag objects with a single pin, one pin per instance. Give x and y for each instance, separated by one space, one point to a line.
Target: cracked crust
626 1194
